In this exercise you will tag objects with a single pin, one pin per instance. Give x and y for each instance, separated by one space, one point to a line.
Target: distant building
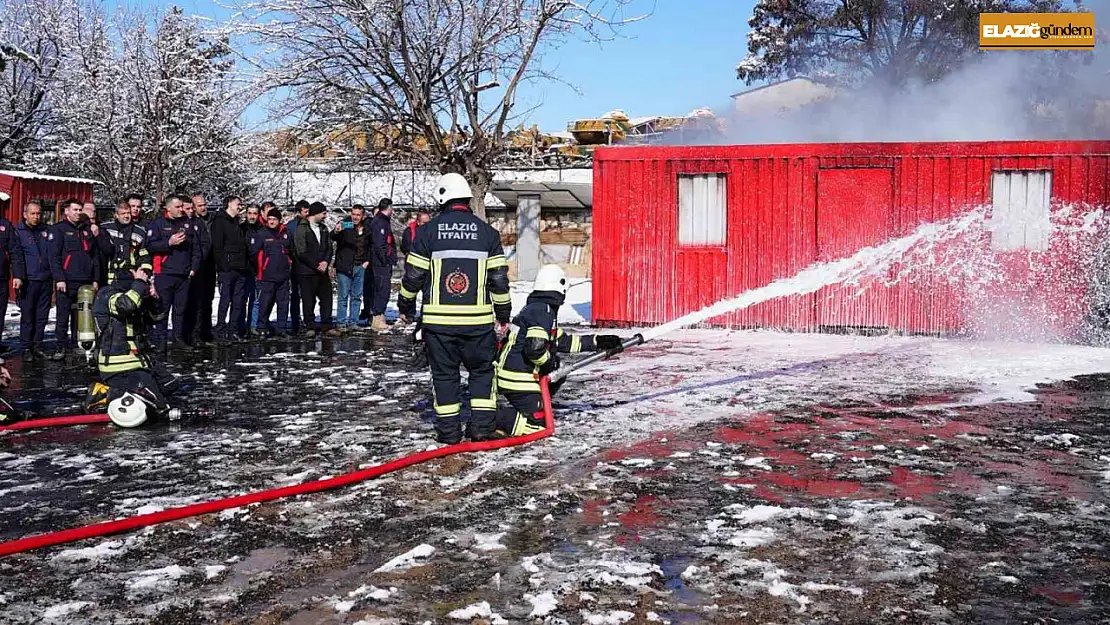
782 96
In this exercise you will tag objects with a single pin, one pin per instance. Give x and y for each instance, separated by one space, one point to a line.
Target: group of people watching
255 258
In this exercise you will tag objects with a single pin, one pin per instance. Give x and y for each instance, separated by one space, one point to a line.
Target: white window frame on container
702 210
1021 209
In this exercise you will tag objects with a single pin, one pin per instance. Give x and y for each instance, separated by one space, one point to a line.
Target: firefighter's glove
550 366
406 307
606 342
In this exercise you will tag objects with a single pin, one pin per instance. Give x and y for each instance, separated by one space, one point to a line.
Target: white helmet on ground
452 187
129 411
551 278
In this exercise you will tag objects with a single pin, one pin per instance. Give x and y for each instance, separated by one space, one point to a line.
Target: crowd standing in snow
128 291
253 258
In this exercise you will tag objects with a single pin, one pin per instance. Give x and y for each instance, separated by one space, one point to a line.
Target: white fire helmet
452 187
551 278
129 411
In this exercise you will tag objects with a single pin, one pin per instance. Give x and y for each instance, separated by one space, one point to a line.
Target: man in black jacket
352 259
229 249
382 262
312 252
202 288
11 264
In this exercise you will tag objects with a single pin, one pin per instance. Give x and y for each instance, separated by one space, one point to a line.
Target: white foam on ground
407 560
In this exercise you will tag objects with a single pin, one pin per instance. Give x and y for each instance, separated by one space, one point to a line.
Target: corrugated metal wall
791 205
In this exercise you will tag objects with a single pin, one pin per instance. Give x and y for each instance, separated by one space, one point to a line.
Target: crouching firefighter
124 313
529 353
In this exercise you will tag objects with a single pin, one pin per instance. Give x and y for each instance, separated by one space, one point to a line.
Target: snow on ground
708 476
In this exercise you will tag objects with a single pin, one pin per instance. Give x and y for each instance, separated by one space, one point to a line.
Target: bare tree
157 114
436 79
34 35
889 41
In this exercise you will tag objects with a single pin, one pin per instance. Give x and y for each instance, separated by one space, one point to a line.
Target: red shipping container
757 213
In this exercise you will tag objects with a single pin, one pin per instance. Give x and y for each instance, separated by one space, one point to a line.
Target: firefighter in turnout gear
123 244
125 314
458 264
530 351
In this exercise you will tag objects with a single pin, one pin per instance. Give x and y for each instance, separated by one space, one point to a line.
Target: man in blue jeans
352 259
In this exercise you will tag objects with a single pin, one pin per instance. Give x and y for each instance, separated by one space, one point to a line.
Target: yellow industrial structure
524 145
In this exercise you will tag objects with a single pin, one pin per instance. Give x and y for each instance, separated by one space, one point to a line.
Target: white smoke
1000 95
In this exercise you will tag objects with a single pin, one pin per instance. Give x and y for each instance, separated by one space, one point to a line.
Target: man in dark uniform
300 216
529 352
34 301
175 246
272 248
382 263
74 262
458 263
125 312
229 249
312 259
122 244
11 267
202 287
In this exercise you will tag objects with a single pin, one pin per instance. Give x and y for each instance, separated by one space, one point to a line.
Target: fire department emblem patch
457 283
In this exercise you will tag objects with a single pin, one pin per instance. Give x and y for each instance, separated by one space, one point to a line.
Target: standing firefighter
458 263
530 352
125 313
123 243
74 263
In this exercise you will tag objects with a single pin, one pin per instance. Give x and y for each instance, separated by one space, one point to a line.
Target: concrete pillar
527 237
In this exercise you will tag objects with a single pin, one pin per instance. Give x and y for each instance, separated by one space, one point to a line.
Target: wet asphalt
896 510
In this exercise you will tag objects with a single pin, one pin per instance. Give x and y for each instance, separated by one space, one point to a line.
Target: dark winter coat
36 253
408 236
381 238
308 251
273 254
531 349
203 227
178 260
352 247
74 255
229 244
11 253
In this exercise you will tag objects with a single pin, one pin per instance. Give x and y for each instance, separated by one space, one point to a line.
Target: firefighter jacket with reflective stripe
532 343
458 263
73 253
273 254
11 252
124 316
177 260
36 252
123 247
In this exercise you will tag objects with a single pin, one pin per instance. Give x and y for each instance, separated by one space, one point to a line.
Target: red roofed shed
19 187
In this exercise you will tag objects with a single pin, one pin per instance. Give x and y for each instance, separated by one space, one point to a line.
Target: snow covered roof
771 85
30 175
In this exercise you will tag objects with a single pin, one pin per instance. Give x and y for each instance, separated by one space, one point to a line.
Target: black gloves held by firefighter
551 365
606 342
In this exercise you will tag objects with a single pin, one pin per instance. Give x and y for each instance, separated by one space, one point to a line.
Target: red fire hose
208 507
79 419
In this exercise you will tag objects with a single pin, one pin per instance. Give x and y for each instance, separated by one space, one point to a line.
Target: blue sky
680 58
